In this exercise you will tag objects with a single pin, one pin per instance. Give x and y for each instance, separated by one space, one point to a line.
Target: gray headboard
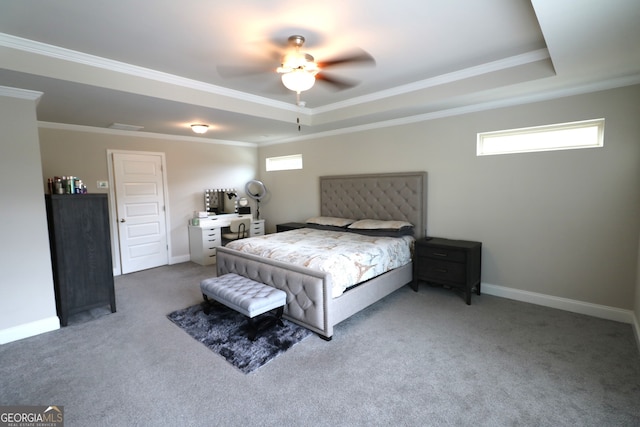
389 196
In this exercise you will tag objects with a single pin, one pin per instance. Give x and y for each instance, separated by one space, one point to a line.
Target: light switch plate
103 184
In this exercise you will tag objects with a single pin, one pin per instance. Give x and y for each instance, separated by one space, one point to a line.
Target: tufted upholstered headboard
389 196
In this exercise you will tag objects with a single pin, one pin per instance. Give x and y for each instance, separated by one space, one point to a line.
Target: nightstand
450 263
289 226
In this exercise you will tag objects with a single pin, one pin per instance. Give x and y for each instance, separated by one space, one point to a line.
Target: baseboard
595 310
179 259
172 260
29 329
636 329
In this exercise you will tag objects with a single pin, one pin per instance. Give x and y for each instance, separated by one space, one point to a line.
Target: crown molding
457 111
474 108
139 134
12 92
489 67
50 51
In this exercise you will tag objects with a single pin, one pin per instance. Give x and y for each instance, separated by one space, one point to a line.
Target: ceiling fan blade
361 57
336 83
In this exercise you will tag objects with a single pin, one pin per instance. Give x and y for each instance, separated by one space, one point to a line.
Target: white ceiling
155 64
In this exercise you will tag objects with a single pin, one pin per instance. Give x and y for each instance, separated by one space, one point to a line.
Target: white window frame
561 136
283 163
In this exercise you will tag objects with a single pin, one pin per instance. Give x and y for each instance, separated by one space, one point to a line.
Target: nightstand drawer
443 271
441 253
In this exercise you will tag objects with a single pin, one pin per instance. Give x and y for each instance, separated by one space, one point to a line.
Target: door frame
115 235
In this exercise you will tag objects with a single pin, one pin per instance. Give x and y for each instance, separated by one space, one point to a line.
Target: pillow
374 227
407 231
330 221
325 227
375 224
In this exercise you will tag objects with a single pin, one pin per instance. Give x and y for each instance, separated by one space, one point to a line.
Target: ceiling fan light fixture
199 128
297 59
298 80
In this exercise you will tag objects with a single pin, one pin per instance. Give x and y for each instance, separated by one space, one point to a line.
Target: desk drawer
210 248
256 230
210 235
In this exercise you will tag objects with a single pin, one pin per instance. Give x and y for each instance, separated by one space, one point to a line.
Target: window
284 163
563 136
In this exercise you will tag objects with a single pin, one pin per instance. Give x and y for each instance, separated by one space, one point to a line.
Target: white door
140 207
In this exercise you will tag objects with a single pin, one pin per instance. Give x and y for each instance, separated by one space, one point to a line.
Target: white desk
206 237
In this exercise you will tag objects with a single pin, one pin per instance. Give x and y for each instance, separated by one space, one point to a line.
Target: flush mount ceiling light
199 128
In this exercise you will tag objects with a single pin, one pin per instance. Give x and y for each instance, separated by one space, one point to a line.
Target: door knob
123 220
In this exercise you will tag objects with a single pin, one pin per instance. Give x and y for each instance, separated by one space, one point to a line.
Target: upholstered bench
245 296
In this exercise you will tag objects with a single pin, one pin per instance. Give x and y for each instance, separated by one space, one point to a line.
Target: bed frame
392 196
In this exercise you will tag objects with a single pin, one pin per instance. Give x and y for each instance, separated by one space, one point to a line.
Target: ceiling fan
299 70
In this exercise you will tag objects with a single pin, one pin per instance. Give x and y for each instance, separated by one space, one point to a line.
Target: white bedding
350 258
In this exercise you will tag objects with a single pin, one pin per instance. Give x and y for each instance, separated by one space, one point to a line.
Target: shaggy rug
225 332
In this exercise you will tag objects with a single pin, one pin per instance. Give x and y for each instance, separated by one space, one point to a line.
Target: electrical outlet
103 184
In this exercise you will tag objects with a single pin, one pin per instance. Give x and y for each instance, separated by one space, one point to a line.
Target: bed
311 297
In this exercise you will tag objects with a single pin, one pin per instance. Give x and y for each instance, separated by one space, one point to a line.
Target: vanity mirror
220 200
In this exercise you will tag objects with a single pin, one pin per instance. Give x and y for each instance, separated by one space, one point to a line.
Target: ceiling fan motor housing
296 40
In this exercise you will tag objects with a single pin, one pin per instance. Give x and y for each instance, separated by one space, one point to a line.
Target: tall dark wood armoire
80 243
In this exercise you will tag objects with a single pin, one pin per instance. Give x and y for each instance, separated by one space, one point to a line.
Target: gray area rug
225 332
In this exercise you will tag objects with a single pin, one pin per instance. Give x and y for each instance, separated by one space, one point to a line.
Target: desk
206 237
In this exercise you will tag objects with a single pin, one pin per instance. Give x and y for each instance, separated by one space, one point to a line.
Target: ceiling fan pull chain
298 104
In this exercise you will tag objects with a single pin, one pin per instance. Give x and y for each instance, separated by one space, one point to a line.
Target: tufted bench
245 296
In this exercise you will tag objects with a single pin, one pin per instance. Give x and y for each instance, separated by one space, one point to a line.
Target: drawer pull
440 254
441 270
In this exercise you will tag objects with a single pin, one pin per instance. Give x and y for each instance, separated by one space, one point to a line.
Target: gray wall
563 223
637 302
192 166
27 303
29 156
